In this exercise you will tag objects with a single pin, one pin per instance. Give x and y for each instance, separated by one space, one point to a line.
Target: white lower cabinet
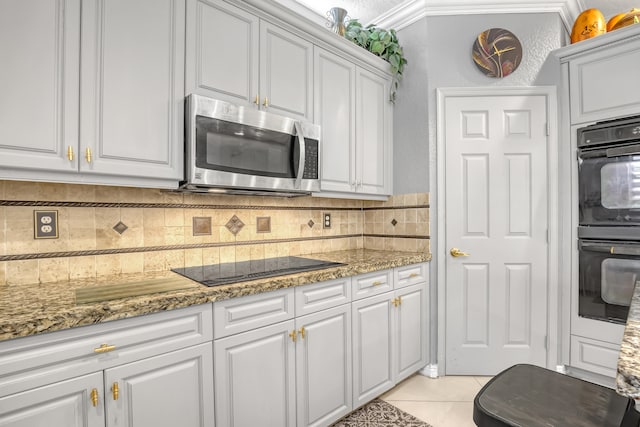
389 340
255 377
65 404
173 389
302 365
372 347
154 370
335 356
323 366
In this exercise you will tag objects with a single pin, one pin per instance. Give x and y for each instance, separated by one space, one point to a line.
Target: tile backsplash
109 231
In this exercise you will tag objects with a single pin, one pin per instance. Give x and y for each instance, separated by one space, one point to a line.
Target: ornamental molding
410 11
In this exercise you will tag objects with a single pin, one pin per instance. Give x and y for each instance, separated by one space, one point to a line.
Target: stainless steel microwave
241 150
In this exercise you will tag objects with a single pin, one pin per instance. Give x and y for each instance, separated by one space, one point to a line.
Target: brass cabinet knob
70 153
455 252
266 102
303 332
94 397
115 391
87 155
293 334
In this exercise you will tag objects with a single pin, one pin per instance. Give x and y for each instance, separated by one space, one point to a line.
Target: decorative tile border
22 257
386 208
173 206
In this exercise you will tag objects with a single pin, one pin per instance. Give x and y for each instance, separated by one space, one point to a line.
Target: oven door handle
303 154
611 249
627 150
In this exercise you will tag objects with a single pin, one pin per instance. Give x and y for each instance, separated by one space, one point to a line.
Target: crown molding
411 11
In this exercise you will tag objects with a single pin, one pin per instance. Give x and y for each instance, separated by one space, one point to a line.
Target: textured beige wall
160 229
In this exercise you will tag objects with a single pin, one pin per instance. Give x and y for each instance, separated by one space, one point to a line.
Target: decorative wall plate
497 52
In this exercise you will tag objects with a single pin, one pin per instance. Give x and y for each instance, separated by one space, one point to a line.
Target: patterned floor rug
379 413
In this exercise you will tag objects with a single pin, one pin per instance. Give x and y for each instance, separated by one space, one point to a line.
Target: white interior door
497 217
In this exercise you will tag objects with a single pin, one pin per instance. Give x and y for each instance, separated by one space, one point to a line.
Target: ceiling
370 10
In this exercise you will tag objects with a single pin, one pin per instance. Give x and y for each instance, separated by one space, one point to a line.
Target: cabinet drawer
372 284
323 295
594 356
242 314
410 275
33 361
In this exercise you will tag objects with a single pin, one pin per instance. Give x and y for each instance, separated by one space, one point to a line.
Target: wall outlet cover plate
45 224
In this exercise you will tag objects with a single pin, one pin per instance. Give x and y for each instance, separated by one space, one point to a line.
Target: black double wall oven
609 218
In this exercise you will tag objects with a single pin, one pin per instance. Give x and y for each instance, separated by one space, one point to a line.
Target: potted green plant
381 42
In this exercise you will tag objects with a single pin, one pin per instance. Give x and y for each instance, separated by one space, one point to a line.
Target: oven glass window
609 189
243 149
606 280
618 280
620 185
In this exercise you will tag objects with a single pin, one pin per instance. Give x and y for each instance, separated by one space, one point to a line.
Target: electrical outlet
326 221
45 224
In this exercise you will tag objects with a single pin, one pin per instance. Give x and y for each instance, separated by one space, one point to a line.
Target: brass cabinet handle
94 397
395 302
104 348
87 155
266 102
293 334
455 252
115 390
70 153
303 332
257 100
377 283
413 275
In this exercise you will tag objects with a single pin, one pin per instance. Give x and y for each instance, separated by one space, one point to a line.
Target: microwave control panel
310 159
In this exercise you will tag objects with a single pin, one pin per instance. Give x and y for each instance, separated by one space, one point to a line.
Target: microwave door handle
301 160
624 151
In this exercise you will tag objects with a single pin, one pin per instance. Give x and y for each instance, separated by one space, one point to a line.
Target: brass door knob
455 252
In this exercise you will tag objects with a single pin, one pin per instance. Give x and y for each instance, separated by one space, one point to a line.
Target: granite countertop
628 378
33 309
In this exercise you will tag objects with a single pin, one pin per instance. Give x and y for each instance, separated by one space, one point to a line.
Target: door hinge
547 236
547 129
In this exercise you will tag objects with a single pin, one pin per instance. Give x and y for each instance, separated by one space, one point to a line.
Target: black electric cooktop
232 272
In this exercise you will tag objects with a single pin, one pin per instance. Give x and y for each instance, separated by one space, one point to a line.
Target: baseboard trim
430 371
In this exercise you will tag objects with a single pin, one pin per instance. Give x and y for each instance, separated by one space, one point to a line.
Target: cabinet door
62 404
222 51
286 73
323 366
373 134
173 389
39 47
132 87
255 378
372 347
597 92
335 101
411 333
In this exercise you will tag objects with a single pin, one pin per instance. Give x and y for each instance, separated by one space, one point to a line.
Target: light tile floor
441 402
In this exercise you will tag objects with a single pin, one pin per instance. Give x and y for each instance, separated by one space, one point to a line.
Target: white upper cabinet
235 56
131 92
353 109
39 47
602 80
103 108
373 134
335 107
222 51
